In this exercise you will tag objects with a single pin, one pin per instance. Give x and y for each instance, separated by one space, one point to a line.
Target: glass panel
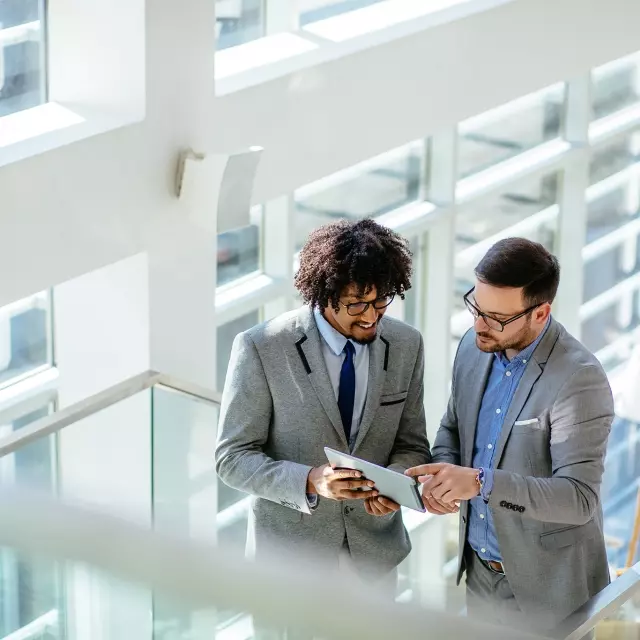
22 50
616 85
623 624
612 326
611 268
184 491
314 10
613 157
506 131
238 253
238 21
366 190
25 337
617 203
29 588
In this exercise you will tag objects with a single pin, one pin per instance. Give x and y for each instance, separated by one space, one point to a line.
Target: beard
517 342
368 340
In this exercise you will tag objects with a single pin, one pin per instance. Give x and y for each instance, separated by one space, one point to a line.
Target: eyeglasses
493 323
358 308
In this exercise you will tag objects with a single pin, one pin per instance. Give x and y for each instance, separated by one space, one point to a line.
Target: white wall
94 202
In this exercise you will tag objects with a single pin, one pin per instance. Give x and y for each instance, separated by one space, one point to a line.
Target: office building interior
161 165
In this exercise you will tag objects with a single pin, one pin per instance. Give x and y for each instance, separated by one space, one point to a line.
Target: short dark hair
362 253
521 263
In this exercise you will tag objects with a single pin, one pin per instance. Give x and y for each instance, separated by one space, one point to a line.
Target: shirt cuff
312 500
487 485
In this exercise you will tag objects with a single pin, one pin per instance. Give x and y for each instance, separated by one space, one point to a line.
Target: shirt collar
334 339
525 355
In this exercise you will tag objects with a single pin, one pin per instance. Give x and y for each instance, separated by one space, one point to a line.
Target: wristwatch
480 480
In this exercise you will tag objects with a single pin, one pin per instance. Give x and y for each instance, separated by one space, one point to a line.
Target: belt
496 567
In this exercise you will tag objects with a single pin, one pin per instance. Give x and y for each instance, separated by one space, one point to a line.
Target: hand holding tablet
390 484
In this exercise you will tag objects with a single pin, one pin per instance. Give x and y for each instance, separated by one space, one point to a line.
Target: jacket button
521 509
503 504
346 510
509 505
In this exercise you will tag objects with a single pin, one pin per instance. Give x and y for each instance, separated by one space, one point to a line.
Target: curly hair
363 253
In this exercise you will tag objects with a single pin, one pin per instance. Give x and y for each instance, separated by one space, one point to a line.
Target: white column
572 224
439 277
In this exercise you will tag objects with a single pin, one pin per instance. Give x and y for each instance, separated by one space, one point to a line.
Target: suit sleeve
580 423
245 418
411 446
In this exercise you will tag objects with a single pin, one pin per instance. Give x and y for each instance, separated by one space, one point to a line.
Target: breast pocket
532 425
393 399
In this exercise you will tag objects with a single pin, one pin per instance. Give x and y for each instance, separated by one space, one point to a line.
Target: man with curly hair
335 373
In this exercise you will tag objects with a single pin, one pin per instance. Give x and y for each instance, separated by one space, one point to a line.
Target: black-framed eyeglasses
493 323
358 308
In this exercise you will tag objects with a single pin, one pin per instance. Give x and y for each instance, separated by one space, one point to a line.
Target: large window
238 21
616 85
366 190
314 10
22 50
527 208
25 338
507 131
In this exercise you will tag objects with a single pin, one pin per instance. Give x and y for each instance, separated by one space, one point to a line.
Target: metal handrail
601 606
100 401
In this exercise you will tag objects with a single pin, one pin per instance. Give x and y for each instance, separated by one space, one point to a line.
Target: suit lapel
378 362
479 375
529 378
533 371
309 347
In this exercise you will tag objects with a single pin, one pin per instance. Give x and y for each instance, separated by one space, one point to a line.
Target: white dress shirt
333 343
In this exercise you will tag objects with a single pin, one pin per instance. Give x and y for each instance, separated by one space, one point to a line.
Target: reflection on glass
611 158
29 588
238 253
367 190
22 69
238 21
616 85
314 10
616 205
506 131
612 325
610 268
25 337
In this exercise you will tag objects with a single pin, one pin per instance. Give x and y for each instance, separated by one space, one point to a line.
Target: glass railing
109 521
143 451
116 574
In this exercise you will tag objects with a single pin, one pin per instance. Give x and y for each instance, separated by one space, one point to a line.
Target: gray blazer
278 413
549 464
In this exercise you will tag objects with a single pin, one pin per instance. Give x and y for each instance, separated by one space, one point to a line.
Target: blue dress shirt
501 386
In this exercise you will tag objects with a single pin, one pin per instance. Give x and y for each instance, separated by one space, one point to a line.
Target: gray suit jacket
278 413
549 462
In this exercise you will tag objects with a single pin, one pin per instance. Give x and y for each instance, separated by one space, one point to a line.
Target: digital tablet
390 484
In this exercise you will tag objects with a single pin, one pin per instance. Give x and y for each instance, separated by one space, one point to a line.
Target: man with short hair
522 444
334 373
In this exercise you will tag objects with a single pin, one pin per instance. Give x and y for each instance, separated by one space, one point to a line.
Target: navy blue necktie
347 392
